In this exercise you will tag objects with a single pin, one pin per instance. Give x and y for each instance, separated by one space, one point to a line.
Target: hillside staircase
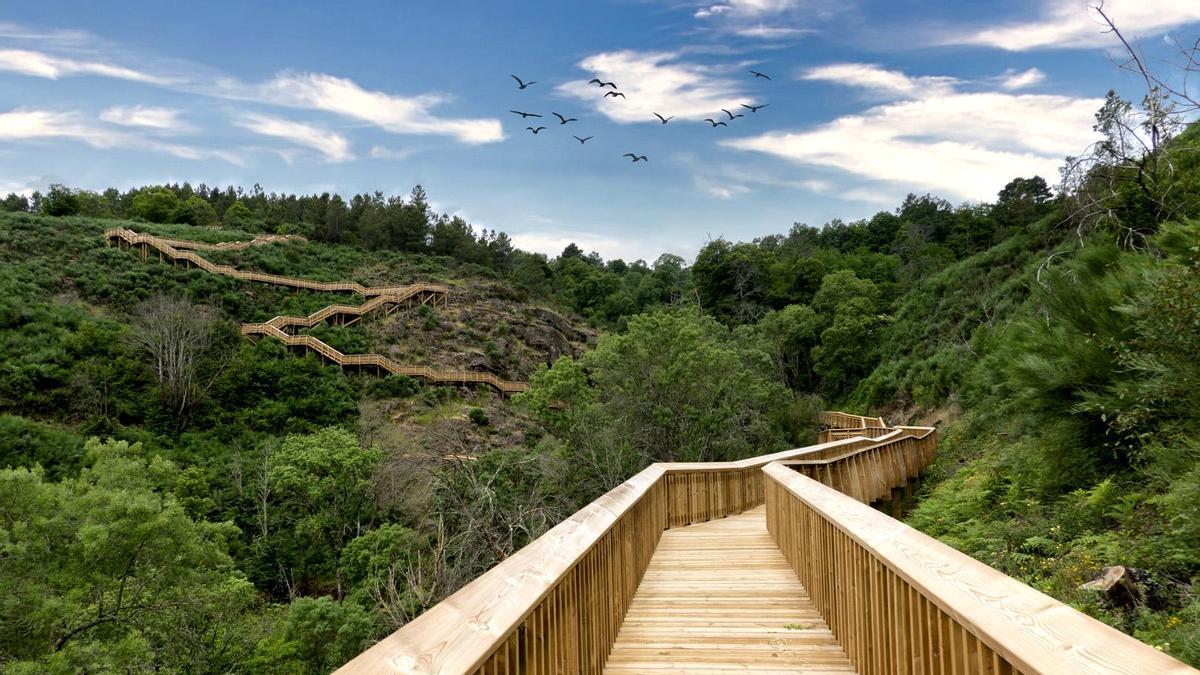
381 301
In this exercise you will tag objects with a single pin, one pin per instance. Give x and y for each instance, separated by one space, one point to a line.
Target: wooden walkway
719 597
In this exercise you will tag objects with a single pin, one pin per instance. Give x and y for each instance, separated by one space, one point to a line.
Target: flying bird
614 94
635 158
564 120
524 114
602 84
731 115
535 130
762 75
754 108
583 140
662 119
715 123
520 84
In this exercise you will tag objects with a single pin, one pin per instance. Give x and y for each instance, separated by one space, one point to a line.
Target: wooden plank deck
719 597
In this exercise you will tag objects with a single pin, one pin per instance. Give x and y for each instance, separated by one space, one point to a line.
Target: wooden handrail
902 602
382 362
378 297
841 420
559 602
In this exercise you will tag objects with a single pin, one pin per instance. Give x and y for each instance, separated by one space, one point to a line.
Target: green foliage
105 570
478 416
676 386
157 205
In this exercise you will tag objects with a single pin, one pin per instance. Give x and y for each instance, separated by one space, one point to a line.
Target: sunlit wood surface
719 597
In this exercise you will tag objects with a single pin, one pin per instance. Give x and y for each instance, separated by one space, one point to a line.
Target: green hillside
274 513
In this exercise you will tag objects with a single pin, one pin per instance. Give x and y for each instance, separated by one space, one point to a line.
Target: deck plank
719 597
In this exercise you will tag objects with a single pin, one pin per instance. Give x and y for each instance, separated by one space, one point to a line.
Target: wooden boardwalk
719 597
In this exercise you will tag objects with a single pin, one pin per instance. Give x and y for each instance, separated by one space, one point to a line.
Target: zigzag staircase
382 300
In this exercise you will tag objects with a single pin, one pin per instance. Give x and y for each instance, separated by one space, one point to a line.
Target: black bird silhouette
731 115
564 120
602 84
664 120
715 123
755 108
524 114
582 140
535 130
762 75
636 158
614 94
520 84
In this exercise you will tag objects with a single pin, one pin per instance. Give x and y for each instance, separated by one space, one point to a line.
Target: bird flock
611 90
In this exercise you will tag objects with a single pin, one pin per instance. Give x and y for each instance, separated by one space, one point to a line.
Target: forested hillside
256 510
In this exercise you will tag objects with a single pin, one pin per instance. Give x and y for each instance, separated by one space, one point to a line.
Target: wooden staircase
382 300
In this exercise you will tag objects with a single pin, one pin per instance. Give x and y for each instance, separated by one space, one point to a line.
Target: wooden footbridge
381 301
775 564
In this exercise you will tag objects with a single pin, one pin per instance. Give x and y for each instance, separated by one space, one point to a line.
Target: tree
196 211
1022 201
675 386
157 205
321 500
790 335
15 202
182 345
107 572
60 201
237 214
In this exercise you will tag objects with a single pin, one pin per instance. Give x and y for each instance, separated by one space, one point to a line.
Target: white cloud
552 243
1074 24
879 80
397 114
656 82
964 145
381 152
769 32
39 64
1014 79
27 124
162 119
309 91
333 146
747 8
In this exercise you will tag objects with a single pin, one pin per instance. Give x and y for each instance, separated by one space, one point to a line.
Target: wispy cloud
381 152
25 124
964 145
656 82
342 96
890 83
767 20
40 64
1021 79
1074 24
149 117
333 146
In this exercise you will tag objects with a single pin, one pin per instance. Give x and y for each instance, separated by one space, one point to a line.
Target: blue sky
868 101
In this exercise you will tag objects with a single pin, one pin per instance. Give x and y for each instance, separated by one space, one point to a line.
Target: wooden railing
841 420
419 292
902 602
380 299
826 435
556 605
873 472
382 363
167 250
